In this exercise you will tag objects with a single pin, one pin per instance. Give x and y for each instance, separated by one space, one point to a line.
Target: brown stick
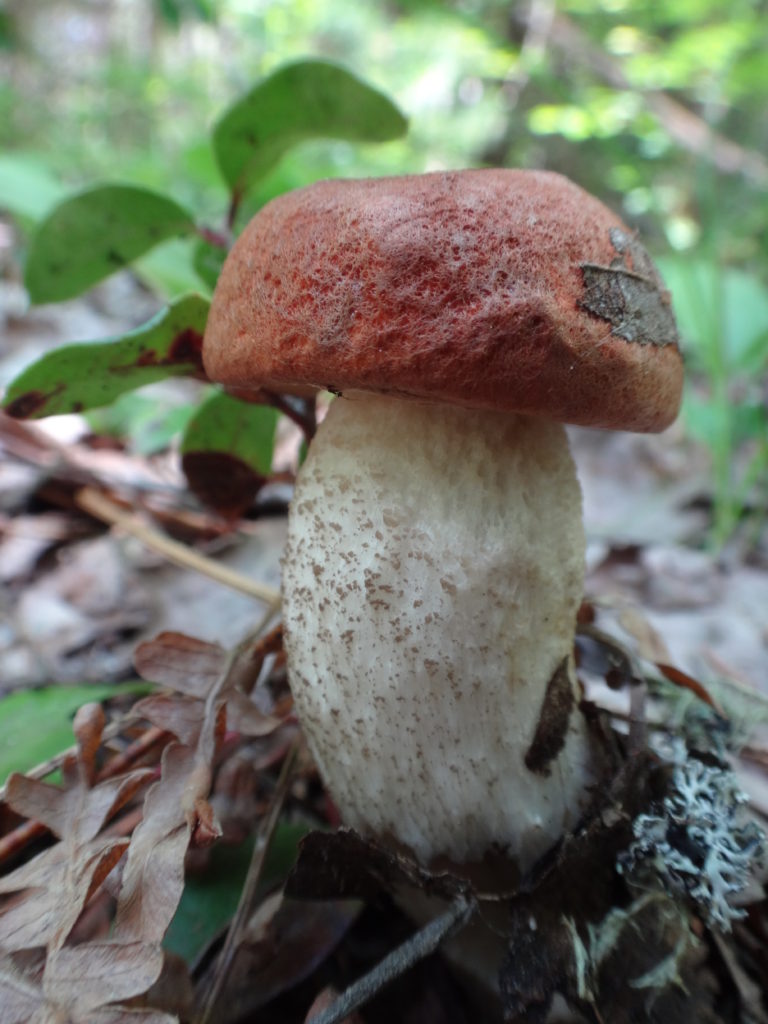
96 504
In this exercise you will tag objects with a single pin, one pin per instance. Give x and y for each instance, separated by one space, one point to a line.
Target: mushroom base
432 576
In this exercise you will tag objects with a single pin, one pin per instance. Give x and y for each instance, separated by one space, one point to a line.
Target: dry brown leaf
75 813
183 716
81 983
44 912
127 1015
182 663
284 942
198 670
650 645
82 978
244 717
88 726
176 809
52 888
21 1001
687 682
153 878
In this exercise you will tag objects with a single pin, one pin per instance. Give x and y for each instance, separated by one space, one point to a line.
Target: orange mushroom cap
498 289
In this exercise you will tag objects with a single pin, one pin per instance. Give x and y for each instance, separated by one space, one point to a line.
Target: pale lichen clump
432 577
699 844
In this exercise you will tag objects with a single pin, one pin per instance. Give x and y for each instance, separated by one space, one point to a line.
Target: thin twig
397 962
101 507
239 922
306 421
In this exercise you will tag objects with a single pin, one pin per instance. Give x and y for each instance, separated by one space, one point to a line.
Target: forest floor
79 597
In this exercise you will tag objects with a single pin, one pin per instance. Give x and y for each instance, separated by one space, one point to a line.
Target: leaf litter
212 704
45 896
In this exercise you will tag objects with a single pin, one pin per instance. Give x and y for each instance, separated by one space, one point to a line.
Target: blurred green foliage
37 724
658 109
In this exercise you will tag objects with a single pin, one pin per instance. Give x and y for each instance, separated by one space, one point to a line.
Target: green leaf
28 189
86 376
151 421
227 451
208 260
210 899
722 312
310 99
168 270
37 724
91 235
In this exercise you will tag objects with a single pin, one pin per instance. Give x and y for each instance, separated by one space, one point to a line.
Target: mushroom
435 556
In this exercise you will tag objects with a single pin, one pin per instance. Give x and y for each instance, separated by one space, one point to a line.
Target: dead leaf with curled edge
48 893
80 985
205 679
193 669
630 295
284 942
153 878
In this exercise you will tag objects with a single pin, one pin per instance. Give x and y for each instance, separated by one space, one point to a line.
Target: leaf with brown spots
76 377
227 451
89 236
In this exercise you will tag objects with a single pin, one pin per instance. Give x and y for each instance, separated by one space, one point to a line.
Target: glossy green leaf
310 99
37 724
89 375
91 235
227 451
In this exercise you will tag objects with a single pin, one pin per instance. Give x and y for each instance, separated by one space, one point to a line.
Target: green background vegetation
658 109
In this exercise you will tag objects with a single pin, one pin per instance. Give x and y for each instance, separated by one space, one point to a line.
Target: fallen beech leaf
195 669
51 892
182 663
75 812
21 1001
244 717
650 644
82 978
285 940
343 865
79 986
53 887
126 1015
153 878
183 716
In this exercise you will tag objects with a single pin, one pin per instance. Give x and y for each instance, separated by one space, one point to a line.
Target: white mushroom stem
432 577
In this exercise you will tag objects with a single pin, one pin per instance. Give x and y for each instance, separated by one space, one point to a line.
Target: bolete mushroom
435 555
